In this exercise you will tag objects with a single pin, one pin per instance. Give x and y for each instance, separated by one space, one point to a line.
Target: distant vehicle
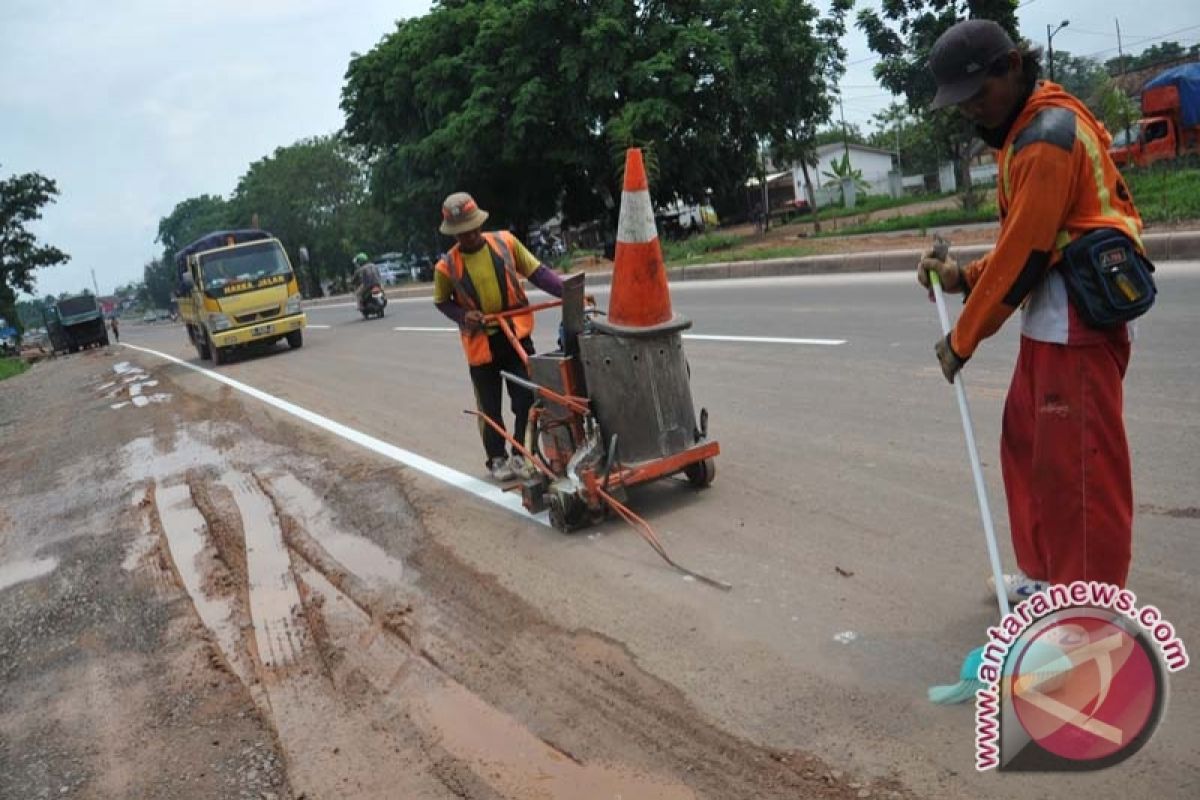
149 316
8 337
236 288
162 313
1170 127
82 322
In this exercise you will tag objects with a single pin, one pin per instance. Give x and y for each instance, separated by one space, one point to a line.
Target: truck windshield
249 263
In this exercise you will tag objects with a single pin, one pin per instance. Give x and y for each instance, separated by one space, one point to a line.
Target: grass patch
11 366
1165 194
757 254
919 222
697 246
868 204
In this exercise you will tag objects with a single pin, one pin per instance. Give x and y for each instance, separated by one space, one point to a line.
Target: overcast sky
134 105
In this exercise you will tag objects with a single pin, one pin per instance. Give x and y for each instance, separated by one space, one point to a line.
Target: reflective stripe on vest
512 294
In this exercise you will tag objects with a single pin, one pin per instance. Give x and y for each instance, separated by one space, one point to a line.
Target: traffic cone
640 297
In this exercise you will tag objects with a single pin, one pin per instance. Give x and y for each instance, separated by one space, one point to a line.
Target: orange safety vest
501 245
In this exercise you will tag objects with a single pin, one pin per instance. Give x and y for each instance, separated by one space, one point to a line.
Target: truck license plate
261 330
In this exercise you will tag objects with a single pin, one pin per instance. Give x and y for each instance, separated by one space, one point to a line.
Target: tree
1161 53
21 200
314 194
903 33
1117 110
158 283
529 103
190 220
1081 76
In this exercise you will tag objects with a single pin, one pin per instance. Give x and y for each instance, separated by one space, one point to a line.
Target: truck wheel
219 356
202 348
295 339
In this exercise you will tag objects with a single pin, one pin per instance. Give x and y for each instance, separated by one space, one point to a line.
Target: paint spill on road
21 571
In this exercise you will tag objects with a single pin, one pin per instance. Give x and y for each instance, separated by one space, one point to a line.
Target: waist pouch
1108 280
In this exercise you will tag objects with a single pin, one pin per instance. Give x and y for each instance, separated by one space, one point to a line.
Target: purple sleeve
547 280
452 310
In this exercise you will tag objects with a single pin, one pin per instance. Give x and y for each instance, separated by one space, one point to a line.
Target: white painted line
447 475
763 339
319 327
700 337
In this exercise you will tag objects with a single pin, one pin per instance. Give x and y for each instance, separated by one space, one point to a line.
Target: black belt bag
1107 279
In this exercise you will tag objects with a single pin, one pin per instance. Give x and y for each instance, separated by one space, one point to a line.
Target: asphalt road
843 512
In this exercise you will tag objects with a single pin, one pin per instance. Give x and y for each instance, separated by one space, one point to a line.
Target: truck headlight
218 322
293 304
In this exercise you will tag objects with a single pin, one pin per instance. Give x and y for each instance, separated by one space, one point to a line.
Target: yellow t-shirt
483 276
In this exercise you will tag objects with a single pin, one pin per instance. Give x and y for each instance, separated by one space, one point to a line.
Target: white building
875 164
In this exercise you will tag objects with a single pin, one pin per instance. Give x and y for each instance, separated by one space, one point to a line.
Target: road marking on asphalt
448 475
319 327
690 336
762 339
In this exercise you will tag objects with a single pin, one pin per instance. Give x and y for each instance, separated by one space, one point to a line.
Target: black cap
961 56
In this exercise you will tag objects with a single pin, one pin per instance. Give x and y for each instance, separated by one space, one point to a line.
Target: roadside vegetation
11 366
1166 194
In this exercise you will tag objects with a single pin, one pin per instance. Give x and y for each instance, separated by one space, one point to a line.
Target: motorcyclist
366 277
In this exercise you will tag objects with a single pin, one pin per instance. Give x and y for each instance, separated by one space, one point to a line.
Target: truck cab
1170 127
237 288
81 322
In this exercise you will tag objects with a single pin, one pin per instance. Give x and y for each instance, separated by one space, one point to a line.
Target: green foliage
929 219
1117 110
11 366
842 169
696 246
833 135
522 102
1165 193
1152 55
313 194
903 33
190 220
158 283
1081 76
912 136
21 200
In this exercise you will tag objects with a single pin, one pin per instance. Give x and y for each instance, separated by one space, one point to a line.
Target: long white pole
985 510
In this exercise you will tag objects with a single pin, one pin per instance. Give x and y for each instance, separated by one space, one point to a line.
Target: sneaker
499 469
518 464
1018 586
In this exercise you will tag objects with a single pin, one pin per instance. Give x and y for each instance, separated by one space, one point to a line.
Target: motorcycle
373 303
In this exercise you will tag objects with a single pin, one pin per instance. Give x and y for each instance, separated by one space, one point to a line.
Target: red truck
1170 126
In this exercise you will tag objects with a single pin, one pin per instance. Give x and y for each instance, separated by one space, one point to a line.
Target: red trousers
1066 462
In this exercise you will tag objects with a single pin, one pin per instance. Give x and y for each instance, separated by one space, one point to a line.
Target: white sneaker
518 464
1018 586
500 470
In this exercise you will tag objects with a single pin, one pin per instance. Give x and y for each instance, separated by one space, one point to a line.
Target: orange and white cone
640 297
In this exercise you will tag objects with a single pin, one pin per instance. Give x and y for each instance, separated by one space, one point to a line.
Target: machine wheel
219 356
701 473
567 511
295 339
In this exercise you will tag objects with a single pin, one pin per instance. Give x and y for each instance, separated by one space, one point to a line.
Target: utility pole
845 138
1121 56
1050 44
94 284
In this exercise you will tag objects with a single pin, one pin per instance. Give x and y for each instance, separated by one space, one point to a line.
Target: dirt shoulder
205 600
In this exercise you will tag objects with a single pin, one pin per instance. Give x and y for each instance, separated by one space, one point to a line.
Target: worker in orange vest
1063 449
483 274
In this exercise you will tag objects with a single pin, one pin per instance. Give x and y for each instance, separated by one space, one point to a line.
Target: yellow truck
236 288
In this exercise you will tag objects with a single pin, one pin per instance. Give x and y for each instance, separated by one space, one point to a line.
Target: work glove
948 271
951 361
473 321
